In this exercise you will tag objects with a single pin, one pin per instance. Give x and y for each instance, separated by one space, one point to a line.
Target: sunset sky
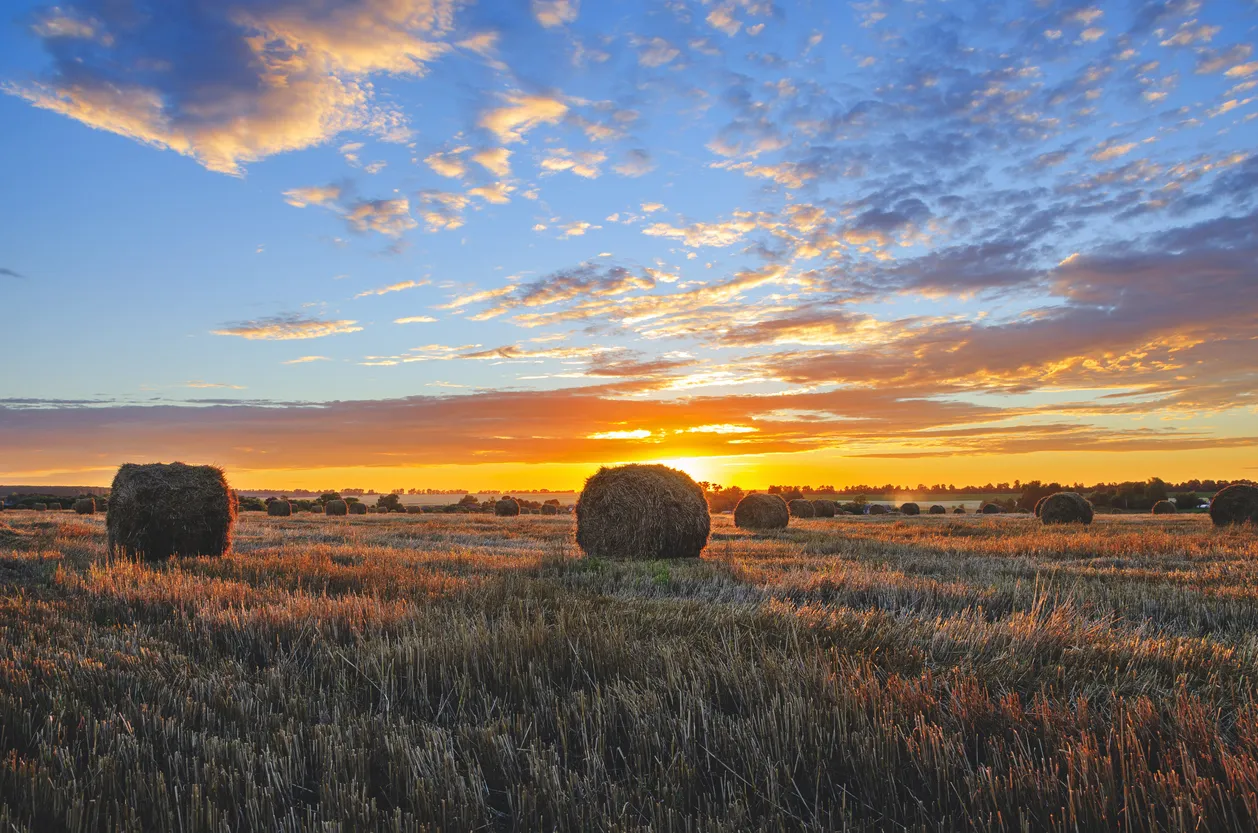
424 243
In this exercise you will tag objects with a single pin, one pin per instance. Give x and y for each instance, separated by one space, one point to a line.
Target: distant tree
389 502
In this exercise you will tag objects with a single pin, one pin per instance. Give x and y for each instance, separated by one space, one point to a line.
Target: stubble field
452 672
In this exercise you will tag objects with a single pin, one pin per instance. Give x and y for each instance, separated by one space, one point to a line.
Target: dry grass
466 672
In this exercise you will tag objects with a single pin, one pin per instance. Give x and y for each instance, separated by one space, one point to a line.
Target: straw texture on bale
801 508
761 511
992 509
1039 505
507 508
642 512
85 506
825 508
358 509
548 509
910 509
1066 508
338 508
1164 507
1237 504
158 510
279 509
877 509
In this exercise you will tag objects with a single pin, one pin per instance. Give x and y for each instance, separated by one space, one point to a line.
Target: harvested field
468 672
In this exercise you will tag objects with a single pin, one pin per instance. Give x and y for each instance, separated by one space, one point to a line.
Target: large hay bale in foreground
1066 508
824 508
507 508
85 506
761 511
801 508
992 509
358 509
548 509
938 510
877 509
1039 505
279 509
158 510
642 512
1237 504
339 508
910 509
1164 507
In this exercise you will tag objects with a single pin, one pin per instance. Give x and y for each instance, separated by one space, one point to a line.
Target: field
449 672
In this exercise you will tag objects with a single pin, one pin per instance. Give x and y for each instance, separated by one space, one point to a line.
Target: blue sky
762 238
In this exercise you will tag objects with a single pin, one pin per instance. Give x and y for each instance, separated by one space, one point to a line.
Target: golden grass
462 672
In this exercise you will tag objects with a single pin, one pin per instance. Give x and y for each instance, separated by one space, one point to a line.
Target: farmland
467 672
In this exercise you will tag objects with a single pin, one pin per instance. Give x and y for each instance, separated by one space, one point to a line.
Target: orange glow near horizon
813 468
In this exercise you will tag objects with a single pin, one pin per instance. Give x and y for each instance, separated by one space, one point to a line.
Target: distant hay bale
1237 504
1164 507
373 510
642 512
1066 508
938 510
40 507
507 508
960 510
358 509
85 506
761 511
158 510
910 509
548 509
279 509
992 509
824 508
877 509
316 509
414 509
339 508
801 508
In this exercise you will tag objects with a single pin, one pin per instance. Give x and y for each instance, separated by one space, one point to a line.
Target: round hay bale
1164 507
910 509
414 509
877 509
339 508
40 507
358 509
938 510
373 510
1237 504
85 506
992 509
1066 508
548 509
158 510
761 511
642 512
316 509
960 510
824 508
279 509
507 508
801 508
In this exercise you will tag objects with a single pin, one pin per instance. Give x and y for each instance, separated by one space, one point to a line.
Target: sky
439 244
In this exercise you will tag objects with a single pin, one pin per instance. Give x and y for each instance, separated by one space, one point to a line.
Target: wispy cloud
415 319
287 328
206 385
393 287
308 359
